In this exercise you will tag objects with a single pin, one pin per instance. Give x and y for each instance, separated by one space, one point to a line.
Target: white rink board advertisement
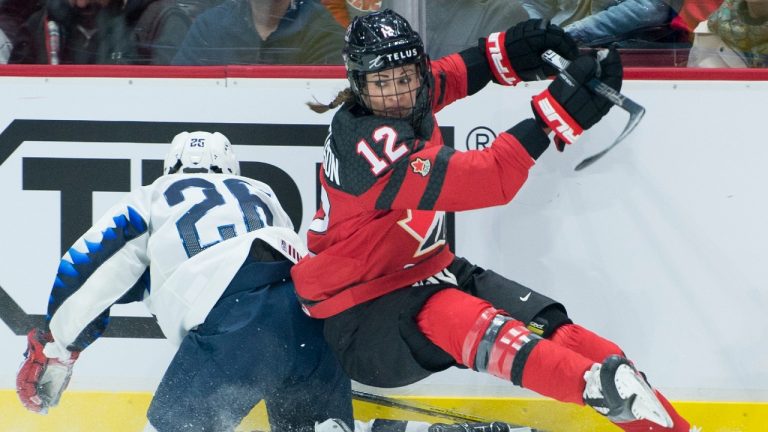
661 246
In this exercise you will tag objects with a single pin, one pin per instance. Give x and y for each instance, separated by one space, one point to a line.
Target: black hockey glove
571 107
515 55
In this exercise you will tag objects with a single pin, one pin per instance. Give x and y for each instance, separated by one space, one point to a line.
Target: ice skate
618 391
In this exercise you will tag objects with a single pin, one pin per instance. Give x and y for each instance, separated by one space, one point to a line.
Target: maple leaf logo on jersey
426 226
421 166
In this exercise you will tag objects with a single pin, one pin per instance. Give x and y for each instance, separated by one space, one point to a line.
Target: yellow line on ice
125 412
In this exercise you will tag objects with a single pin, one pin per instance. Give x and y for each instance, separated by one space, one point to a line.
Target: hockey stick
413 407
635 110
433 411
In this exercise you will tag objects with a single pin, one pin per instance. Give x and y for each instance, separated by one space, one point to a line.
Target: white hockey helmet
201 152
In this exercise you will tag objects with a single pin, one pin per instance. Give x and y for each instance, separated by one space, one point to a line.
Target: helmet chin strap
202 170
174 169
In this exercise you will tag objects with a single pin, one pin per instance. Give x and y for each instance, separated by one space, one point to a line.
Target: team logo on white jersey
290 251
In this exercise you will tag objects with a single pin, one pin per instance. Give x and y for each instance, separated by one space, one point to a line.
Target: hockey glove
569 107
41 380
515 55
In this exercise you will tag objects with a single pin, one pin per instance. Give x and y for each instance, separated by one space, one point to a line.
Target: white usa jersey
192 232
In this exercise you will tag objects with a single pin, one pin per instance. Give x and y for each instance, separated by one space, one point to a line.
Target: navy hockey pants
255 344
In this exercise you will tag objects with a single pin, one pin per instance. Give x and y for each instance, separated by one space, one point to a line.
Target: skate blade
646 405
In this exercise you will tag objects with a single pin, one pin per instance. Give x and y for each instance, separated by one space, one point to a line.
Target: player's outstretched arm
51 352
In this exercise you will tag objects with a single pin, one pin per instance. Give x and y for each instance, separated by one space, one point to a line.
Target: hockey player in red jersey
398 305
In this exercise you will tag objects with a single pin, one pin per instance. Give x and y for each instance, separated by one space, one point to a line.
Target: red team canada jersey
385 191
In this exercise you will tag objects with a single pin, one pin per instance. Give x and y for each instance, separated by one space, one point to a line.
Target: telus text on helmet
393 57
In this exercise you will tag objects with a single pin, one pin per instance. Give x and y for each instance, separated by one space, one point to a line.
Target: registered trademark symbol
480 138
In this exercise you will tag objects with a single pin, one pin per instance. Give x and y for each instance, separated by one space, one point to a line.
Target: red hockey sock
556 372
585 342
679 424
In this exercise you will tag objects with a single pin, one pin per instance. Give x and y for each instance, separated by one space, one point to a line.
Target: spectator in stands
5 47
98 32
631 23
451 25
13 13
163 26
692 13
345 10
263 32
454 25
735 35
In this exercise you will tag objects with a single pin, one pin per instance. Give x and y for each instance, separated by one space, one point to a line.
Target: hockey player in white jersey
209 252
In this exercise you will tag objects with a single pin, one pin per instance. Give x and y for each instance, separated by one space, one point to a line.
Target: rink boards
660 246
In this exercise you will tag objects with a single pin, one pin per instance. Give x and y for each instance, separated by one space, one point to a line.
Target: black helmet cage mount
383 40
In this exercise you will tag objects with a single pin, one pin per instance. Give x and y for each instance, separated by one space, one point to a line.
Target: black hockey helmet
383 40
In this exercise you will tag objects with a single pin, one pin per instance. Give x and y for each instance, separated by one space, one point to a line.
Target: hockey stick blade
429 410
635 110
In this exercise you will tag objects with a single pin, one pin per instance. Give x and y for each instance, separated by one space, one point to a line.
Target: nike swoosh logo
525 297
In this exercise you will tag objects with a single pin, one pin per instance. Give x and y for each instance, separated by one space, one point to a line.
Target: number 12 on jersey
392 151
